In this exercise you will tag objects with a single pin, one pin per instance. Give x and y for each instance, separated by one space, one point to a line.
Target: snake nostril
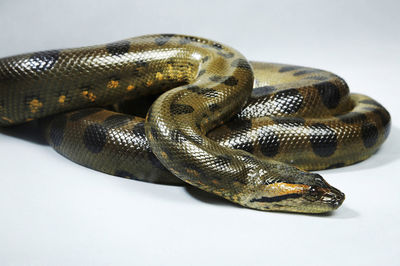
335 198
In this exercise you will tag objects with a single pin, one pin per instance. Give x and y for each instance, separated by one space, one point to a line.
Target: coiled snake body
237 129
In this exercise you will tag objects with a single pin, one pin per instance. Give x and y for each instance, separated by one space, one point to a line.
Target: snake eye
313 192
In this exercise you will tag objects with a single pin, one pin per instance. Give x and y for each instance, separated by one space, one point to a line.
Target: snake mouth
333 198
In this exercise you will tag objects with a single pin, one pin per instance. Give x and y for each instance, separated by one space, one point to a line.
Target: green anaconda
246 131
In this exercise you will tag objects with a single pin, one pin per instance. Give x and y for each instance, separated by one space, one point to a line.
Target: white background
54 212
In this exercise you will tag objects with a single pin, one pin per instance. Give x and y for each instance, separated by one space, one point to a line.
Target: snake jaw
300 198
332 197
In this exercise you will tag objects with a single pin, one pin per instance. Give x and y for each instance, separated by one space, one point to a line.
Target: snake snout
333 197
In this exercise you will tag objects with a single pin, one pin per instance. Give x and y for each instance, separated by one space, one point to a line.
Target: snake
180 109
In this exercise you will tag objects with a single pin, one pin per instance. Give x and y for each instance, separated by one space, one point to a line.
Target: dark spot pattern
78 115
277 198
177 136
369 134
262 91
216 78
289 100
217 46
110 121
163 39
381 113
329 94
117 120
385 120
323 140
213 107
95 137
352 117
188 39
203 91
242 125
241 63
197 139
269 143
179 109
384 116
288 120
221 160
138 129
118 48
42 61
305 71
154 132
57 129
229 81
244 146
226 55
201 72
205 59
289 68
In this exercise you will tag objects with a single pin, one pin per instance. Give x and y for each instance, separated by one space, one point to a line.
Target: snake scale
245 131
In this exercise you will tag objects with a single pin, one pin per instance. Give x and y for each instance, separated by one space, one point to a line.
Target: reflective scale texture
241 130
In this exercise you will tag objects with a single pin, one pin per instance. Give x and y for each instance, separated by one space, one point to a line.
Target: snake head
319 199
312 196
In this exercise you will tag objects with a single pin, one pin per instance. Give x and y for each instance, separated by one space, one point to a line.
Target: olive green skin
298 116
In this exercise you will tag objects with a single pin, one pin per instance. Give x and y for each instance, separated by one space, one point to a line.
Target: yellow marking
28 119
279 189
170 71
159 76
164 155
7 119
92 97
130 87
112 84
35 105
149 83
89 95
61 99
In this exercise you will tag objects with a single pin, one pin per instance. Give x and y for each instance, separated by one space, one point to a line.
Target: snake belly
294 117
